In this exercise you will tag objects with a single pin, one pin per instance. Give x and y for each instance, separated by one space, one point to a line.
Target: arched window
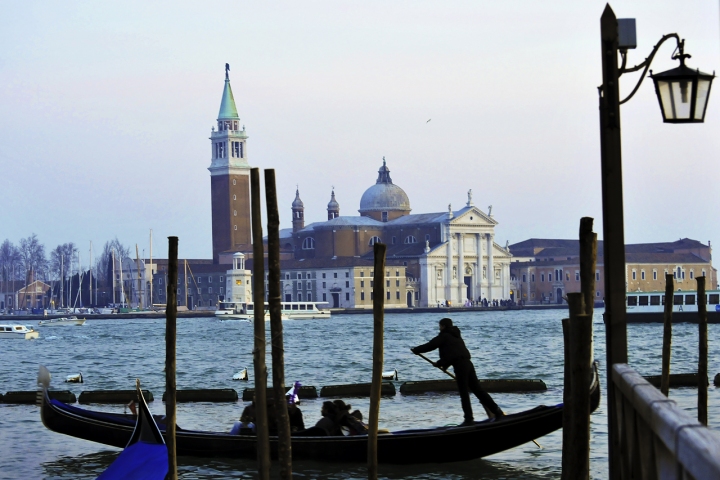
410 239
308 243
374 240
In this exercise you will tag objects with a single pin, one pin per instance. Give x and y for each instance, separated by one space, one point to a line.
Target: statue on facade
470 202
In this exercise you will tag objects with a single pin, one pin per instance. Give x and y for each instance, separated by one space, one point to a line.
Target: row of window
236 150
558 275
309 242
680 299
304 275
678 274
228 125
199 290
197 279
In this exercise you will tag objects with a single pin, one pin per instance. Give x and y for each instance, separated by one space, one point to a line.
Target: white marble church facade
468 264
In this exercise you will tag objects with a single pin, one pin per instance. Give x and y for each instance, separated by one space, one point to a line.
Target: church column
461 270
478 266
448 267
490 271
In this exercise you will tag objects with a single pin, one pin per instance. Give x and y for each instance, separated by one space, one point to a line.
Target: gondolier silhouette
453 352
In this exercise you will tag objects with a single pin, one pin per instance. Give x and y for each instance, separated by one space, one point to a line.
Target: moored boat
62 322
649 307
18 332
414 446
290 310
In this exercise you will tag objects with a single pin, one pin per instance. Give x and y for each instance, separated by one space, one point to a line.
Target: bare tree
9 260
61 258
32 256
103 264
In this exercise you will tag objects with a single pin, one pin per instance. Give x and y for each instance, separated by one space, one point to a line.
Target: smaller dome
333 204
297 203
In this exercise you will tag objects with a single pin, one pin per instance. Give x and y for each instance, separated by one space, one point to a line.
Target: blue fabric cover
140 461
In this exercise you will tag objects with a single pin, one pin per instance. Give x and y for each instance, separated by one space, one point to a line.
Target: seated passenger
328 422
296 418
247 420
349 421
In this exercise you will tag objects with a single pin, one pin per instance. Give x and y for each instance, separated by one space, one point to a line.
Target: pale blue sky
106 109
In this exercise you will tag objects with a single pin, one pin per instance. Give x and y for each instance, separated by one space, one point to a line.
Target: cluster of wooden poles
578 349
702 345
284 450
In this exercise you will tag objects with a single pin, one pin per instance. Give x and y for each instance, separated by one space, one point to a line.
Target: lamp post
683 95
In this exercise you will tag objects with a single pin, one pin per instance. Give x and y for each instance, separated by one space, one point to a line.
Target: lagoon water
524 344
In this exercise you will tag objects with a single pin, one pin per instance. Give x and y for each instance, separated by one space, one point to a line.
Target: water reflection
91 465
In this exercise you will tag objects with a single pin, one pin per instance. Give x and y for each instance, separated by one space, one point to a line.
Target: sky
106 110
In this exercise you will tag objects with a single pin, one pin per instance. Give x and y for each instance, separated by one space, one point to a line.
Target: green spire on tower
227 105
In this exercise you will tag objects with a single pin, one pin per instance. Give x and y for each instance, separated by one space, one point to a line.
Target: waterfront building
545 270
441 257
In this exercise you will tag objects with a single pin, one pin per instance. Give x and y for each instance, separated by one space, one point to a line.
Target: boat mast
139 279
113 275
62 278
151 272
123 300
186 283
90 276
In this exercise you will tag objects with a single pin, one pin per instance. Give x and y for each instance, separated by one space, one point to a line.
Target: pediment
473 216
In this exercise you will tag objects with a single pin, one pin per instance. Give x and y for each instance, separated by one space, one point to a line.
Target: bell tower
298 212
229 179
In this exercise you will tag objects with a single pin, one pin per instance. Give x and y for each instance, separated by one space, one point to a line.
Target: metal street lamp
682 92
683 95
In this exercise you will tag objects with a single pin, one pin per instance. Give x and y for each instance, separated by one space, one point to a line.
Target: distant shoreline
336 311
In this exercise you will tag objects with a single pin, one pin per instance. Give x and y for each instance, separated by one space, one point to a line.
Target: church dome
384 196
297 203
333 204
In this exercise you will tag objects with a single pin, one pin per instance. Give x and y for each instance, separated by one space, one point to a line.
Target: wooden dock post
259 347
702 353
588 261
276 328
576 406
378 299
667 335
170 343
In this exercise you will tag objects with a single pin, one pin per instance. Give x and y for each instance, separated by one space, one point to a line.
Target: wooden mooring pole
170 342
702 353
588 261
667 335
276 328
378 299
578 348
259 346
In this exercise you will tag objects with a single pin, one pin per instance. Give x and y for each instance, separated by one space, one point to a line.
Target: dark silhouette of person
453 352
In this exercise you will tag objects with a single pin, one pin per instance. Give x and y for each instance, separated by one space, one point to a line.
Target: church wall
344 243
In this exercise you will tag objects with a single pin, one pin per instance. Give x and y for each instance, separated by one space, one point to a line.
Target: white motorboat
20 332
644 307
290 311
62 322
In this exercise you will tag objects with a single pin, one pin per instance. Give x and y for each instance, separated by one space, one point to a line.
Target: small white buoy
390 375
241 375
74 378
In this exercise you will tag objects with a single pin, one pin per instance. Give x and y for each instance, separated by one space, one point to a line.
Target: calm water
112 353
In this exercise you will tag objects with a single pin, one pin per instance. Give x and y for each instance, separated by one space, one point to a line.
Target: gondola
415 446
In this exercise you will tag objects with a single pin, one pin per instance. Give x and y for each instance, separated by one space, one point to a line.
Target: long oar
453 376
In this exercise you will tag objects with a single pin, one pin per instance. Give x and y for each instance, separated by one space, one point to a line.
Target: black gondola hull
436 445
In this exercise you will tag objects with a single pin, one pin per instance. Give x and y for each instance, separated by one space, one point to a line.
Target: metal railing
659 440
